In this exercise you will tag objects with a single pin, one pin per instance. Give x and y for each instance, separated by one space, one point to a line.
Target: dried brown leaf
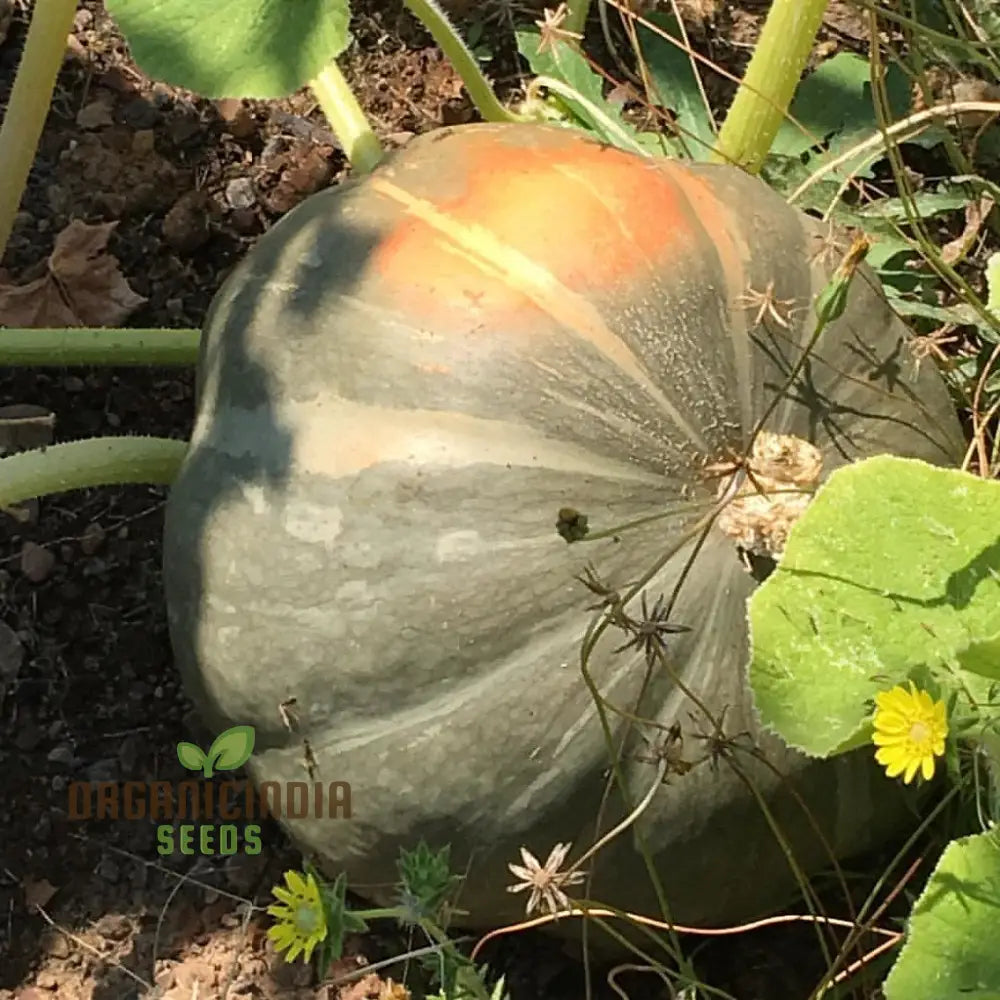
976 213
83 285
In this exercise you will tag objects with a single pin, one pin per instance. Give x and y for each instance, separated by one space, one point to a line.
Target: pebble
37 563
57 945
62 754
240 193
103 770
92 538
108 870
140 114
115 926
47 979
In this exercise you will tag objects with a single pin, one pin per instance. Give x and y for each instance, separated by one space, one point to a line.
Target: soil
88 909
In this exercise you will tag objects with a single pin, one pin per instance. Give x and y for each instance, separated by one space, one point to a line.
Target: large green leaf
234 48
675 84
895 565
835 104
952 950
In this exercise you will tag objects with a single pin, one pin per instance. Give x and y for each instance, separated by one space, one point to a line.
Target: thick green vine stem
98 346
91 462
348 121
28 106
767 89
434 19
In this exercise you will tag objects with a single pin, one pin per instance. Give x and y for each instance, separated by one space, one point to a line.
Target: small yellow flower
910 728
300 923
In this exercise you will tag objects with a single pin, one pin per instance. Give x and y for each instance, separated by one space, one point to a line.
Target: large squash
400 388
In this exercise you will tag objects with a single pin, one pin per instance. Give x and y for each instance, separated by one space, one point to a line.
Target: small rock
108 870
185 226
128 754
73 383
95 115
43 829
162 97
144 142
140 113
83 19
47 979
103 770
59 783
239 122
36 562
245 221
62 754
56 945
92 538
240 193
115 926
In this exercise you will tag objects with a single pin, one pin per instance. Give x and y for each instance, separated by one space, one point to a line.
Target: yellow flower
300 923
910 728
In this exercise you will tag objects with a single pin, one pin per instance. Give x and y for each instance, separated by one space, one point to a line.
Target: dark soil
88 691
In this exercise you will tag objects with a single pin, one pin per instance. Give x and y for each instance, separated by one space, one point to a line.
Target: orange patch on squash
589 217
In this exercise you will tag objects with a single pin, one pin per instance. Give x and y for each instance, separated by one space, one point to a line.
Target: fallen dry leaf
82 286
976 213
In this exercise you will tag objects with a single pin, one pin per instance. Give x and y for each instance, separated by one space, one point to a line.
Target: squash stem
348 121
28 107
98 346
576 15
76 465
771 78
434 19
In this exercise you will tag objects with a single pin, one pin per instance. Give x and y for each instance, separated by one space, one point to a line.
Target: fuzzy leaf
894 565
234 48
952 952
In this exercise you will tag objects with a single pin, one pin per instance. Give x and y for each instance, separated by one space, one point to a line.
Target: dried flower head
546 882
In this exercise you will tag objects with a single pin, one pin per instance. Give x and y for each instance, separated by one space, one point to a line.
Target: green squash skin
365 523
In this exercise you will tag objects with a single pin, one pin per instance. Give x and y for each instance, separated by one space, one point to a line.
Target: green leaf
982 657
895 564
232 748
674 84
192 757
425 880
340 921
952 951
234 48
564 62
835 104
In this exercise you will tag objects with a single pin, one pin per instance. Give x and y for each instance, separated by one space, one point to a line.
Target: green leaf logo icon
230 750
